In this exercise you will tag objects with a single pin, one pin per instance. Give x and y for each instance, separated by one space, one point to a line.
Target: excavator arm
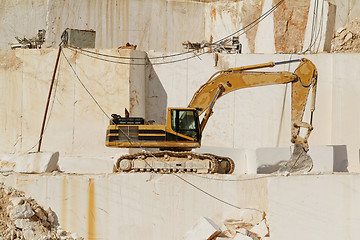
302 81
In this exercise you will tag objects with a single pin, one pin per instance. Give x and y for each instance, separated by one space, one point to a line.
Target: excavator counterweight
183 129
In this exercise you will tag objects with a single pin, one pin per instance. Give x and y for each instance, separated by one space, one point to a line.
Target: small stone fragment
60 231
240 236
22 211
243 231
40 213
74 236
16 201
28 234
203 229
8 209
251 216
45 223
232 225
22 223
348 36
7 191
261 229
340 30
52 217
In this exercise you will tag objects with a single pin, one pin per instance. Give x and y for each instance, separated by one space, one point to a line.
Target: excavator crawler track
226 164
172 162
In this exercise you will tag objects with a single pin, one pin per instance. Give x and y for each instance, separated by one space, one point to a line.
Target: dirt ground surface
347 39
22 218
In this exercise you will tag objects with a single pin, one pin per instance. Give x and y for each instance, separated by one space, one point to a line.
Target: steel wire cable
314 22
318 32
136 64
315 30
321 25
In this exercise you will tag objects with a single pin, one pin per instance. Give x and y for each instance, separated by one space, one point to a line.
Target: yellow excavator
183 129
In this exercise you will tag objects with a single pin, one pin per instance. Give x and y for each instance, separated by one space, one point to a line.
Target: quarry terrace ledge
155 206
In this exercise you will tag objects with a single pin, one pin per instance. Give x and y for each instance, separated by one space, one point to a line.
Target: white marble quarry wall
157 24
76 126
163 25
156 206
293 198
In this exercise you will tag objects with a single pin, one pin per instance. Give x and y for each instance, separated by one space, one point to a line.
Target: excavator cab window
185 122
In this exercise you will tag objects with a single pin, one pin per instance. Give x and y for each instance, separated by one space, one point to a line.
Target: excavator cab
186 122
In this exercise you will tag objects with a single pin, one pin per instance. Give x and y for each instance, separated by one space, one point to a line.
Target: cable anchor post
49 96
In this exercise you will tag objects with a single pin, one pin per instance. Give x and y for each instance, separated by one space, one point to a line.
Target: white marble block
332 158
38 162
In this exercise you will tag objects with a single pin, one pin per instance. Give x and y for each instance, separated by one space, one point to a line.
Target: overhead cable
316 31
135 64
244 29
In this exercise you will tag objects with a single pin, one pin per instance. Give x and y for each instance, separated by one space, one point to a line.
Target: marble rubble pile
250 224
23 218
347 39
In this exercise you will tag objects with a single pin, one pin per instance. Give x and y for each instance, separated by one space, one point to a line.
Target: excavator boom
302 81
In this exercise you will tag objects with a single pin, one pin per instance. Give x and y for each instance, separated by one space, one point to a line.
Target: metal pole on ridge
48 100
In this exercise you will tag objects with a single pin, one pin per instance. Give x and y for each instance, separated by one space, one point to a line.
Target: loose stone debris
347 39
250 225
23 218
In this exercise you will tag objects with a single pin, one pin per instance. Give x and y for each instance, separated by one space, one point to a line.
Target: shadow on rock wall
156 97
